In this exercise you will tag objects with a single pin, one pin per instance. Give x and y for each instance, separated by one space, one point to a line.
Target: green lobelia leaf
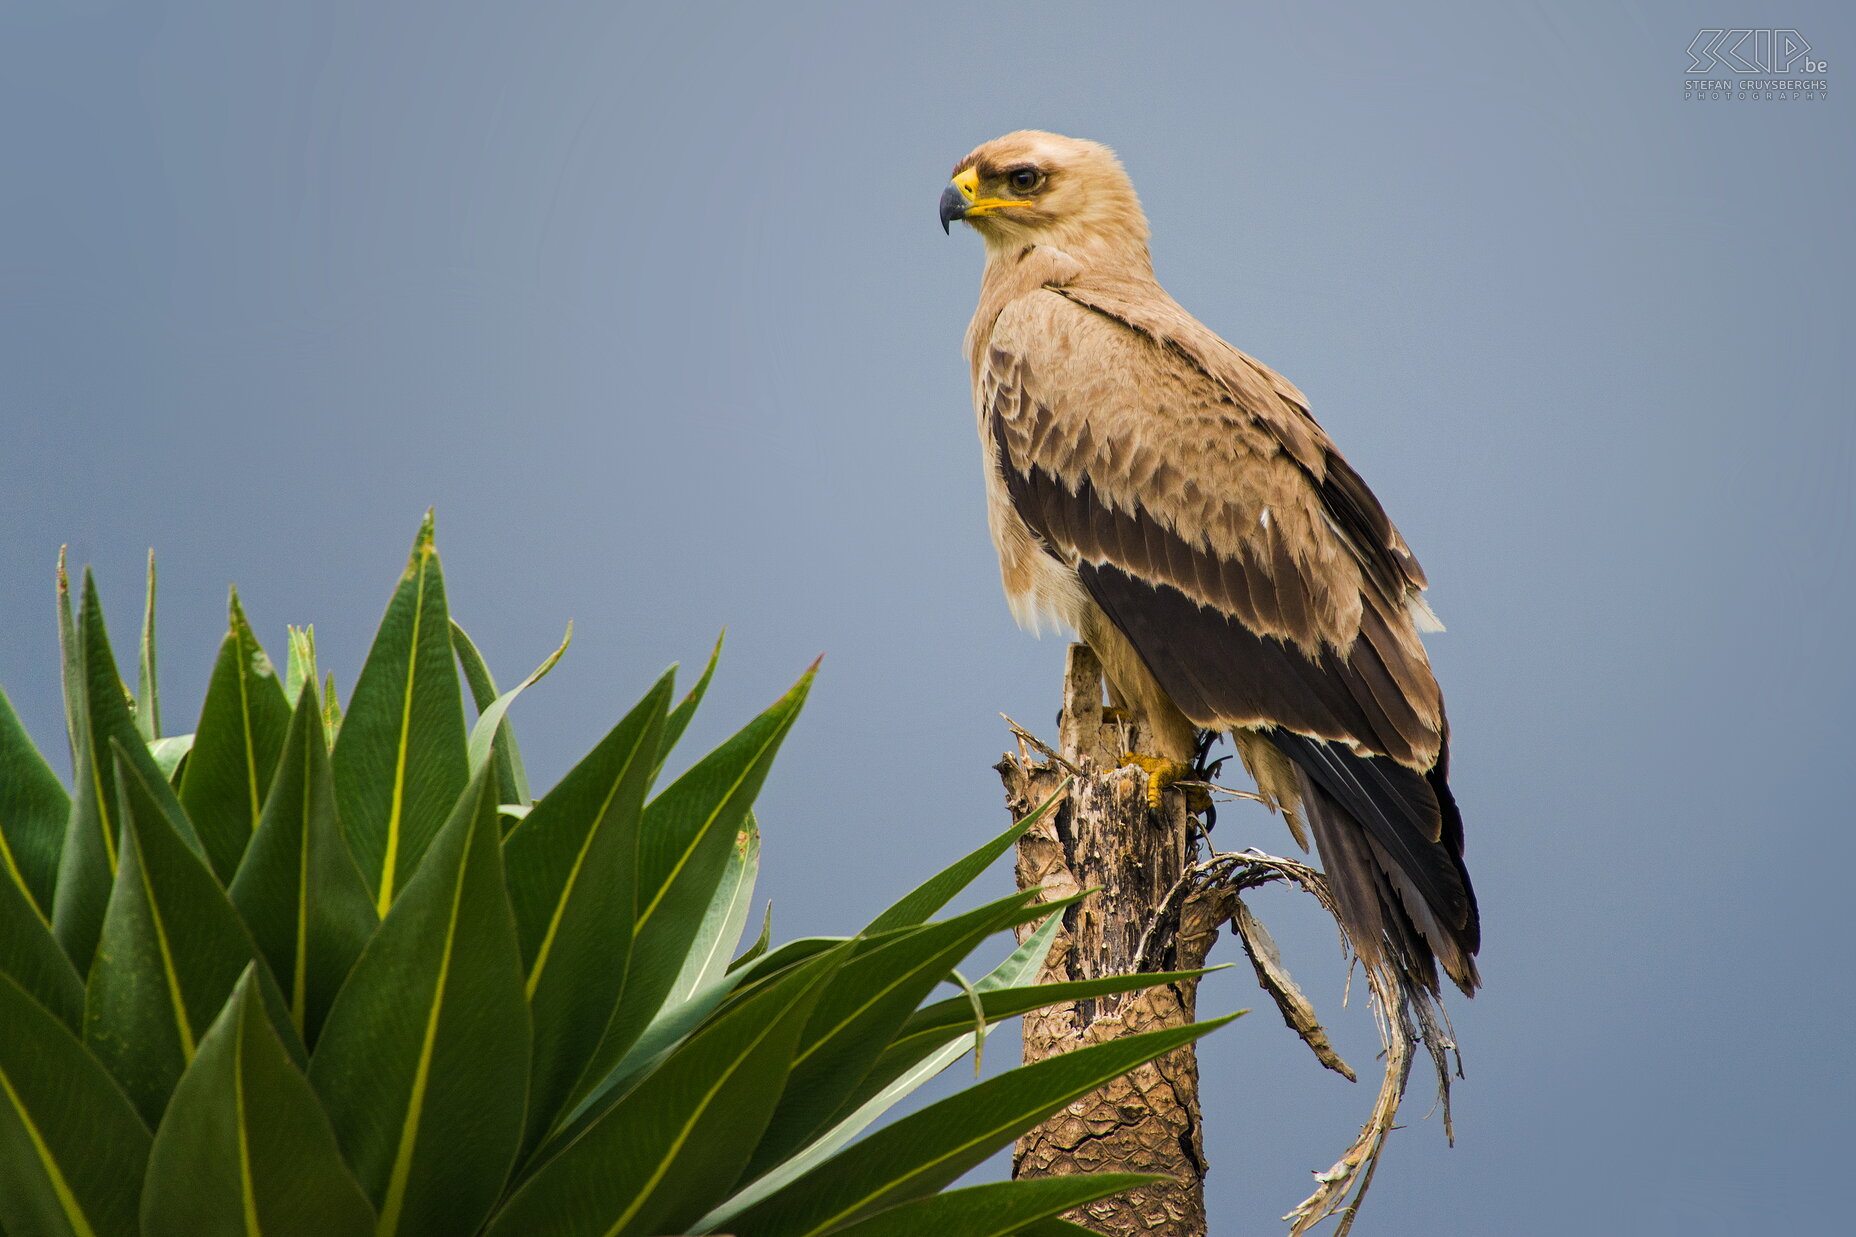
30 954
235 746
761 943
171 950
749 971
477 674
148 685
400 754
170 757
688 834
331 710
87 868
701 986
423 1062
949 1025
33 810
930 1026
244 1147
300 668
868 1001
997 1209
719 934
71 1144
491 727
926 1150
70 666
1019 967
298 887
572 865
673 1023
680 716
33 807
492 738
669 1149
938 890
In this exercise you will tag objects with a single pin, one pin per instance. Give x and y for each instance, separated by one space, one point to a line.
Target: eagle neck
1018 270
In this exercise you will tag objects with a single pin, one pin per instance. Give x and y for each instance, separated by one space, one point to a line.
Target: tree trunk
1104 836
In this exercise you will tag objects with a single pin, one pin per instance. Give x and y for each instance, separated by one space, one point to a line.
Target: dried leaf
1276 980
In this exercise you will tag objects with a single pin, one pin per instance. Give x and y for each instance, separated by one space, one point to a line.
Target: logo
1751 51
1766 65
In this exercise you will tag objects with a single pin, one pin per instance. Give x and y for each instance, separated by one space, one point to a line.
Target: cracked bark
1104 836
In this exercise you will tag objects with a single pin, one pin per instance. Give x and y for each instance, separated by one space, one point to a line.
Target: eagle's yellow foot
1162 773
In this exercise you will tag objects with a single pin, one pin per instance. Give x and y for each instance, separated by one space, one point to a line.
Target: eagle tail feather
1403 894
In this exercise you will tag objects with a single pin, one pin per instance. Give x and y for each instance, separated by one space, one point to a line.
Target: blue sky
651 303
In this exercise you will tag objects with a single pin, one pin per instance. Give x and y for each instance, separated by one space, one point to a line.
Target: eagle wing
1214 524
1212 519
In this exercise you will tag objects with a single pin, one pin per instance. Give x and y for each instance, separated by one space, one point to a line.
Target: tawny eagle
1172 501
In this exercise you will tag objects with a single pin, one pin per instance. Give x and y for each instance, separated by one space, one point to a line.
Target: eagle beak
953 206
957 198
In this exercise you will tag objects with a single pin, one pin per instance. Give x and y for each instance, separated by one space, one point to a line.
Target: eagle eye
1024 179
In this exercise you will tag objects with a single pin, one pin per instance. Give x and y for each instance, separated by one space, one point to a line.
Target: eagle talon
1162 774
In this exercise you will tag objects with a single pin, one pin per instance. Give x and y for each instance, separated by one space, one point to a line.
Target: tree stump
1103 836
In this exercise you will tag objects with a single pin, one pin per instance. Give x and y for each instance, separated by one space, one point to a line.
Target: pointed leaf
244 1147
749 972
674 1022
761 942
423 1061
477 674
490 727
1019 967
719 934
680 716
688 835
996 1209
933 1024
31 955
942 1033
71 1145
331 710
300 668
938 890
299 888
572 865
868 1001
492 738
235 746
71 666
926 1150
148 689
400 756
170 757
171 950
87 869
33 810
511 776
669 1149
